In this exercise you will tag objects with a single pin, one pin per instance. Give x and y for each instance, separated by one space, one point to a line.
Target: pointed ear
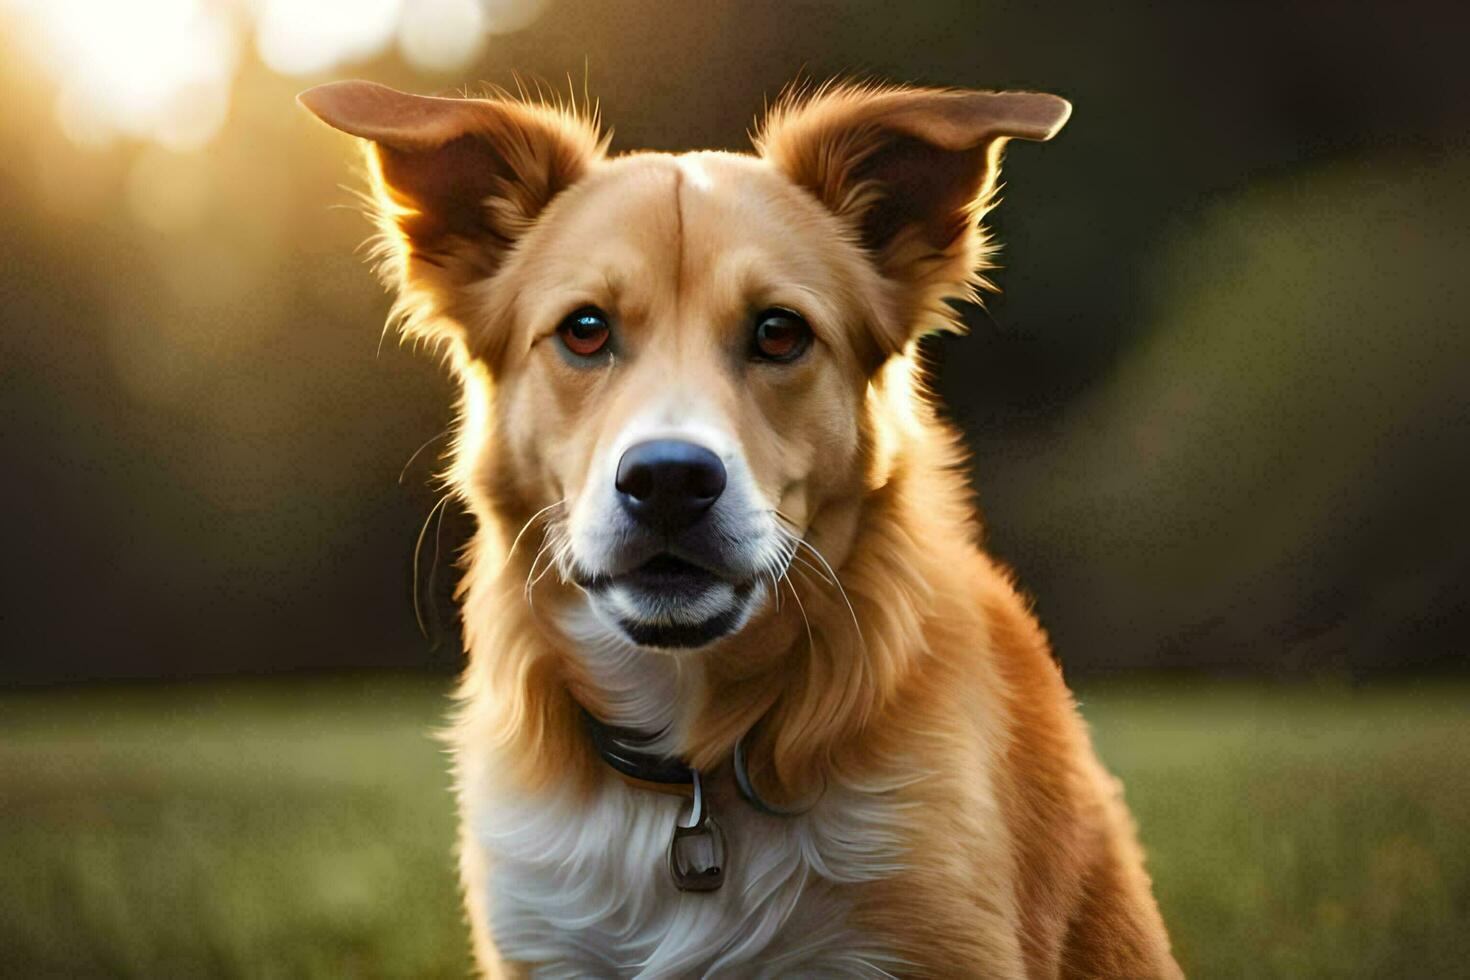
911 171
455 183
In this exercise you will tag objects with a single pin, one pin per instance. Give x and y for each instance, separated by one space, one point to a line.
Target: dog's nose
668 484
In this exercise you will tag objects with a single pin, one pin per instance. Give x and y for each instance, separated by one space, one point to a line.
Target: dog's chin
670 604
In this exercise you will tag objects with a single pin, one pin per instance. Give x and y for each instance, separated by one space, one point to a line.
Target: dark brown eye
781 336
585 332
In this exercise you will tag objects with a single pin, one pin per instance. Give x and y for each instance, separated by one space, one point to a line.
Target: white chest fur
584 887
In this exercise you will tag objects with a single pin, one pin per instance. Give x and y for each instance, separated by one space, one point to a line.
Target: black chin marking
682 635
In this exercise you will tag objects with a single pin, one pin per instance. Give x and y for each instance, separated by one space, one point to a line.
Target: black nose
667 484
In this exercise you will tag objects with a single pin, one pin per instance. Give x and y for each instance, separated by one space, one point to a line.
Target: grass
1298 832
303 828
286 829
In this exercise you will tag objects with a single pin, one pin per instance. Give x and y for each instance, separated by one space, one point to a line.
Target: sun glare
296 38
442 33
151 69
162 70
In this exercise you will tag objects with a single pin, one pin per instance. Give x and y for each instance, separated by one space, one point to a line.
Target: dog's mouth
671 602
672 576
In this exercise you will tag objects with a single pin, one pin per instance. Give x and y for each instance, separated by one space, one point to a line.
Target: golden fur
862 208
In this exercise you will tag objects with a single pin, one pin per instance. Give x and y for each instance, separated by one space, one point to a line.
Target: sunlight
508 16
159 70
296 38
162 70
436 35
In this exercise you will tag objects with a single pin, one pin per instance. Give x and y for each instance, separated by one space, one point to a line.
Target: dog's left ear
456 182
911 171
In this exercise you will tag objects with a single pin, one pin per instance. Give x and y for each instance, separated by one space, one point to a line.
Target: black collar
630 752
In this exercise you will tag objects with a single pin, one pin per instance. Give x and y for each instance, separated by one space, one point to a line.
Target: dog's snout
668 484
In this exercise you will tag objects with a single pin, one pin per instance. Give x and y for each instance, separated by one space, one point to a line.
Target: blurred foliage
1273 475
263 829
1216 413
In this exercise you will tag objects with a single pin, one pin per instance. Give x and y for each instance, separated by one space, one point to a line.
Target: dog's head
673 361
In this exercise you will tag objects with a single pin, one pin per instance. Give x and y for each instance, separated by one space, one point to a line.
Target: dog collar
697 846
630 752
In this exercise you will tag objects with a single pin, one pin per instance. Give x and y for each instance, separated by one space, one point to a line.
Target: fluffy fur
888 670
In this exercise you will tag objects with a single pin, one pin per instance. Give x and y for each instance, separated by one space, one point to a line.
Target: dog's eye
585 332
781 336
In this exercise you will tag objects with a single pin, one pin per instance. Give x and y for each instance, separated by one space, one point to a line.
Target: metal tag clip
697 848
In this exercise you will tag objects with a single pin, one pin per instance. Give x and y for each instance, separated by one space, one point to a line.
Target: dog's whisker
525 527
802 542
810 641
556 546
438 542
784 518
788 558
422 446
565 565
769 567
418 547
547 543
795 543
808 566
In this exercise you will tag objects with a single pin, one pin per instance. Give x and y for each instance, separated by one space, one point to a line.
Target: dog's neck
630 687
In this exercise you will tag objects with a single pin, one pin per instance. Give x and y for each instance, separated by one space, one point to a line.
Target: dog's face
671 359
683 372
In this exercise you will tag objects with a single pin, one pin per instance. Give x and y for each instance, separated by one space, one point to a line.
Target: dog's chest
584 887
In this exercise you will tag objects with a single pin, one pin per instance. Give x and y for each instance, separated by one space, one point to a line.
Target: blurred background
1220 418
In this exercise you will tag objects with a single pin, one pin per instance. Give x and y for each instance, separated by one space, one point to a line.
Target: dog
744 695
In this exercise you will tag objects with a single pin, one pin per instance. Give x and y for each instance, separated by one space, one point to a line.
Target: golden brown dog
745 697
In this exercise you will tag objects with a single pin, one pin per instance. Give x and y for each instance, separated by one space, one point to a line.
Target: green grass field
303 828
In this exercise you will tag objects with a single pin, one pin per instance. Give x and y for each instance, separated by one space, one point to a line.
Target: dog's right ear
456 182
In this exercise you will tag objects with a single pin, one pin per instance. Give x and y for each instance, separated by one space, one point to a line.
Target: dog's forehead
712 226
651 201
732 200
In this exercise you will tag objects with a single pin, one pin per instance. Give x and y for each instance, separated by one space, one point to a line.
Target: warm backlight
162 70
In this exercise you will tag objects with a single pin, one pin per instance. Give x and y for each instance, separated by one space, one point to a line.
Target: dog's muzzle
677 586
